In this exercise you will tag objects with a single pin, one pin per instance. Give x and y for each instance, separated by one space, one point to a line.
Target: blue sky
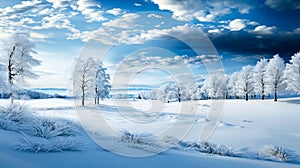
171 34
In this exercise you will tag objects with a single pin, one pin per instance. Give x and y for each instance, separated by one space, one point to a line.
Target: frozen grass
135 138
39 134
31 144
12 115
47 128
209 148
276 152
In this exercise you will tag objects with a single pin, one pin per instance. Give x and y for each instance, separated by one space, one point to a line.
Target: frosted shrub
12 115
277 152
49 129
206 147
43 145
134 138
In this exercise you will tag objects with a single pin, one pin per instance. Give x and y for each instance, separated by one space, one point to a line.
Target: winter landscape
149 83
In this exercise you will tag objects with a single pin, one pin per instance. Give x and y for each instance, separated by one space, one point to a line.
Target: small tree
180 92
259 77
231 85
244 83
292 74
19 61
274 73
215 86
84 72
164 92
102 85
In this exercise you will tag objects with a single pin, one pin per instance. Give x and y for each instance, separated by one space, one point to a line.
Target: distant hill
38 93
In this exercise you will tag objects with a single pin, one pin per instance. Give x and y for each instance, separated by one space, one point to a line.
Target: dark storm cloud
283 4
244 43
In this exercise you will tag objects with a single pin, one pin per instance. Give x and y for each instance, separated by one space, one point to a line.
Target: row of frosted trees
267 77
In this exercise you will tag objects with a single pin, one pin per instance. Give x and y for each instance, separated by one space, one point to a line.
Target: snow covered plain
245 126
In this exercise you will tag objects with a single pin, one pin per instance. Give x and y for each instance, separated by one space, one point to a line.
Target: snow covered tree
171 92
259 77
274 74
244 82
19 61
231 85
102 84
3 80
164 92
180 92
83 76
292 74
215 86
195 91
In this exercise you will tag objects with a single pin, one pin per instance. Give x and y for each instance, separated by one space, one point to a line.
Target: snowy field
244 127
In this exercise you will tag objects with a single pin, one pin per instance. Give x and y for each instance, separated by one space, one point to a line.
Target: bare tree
19 60
84 72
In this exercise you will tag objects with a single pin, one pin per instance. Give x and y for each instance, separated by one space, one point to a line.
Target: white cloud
45 11
263 29
217 31
22 7
153 15
187 33
297 31
137 4
206 18
59 21
38 35
91 10
111 35
236 25
205 11
115 11
59 3
125 21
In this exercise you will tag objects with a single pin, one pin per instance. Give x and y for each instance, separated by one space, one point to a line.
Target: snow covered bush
31 144
277 152
46 128
12 115
135 138
206 147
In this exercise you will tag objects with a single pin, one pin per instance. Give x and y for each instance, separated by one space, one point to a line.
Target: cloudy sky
143 41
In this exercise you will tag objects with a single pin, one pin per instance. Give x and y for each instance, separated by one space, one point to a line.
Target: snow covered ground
250 125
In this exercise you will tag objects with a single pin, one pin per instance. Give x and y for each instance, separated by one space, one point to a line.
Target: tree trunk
11 75
275 95
82 101
247 97
263 95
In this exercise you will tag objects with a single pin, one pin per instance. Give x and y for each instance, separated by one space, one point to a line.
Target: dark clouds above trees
244 43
